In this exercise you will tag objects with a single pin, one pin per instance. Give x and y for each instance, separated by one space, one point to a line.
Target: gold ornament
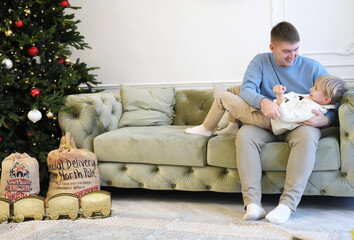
49 114
27 11
8 33
67 61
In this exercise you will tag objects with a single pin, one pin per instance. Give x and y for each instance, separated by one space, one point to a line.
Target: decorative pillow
146 106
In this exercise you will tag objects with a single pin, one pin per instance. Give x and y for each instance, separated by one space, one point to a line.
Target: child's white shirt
297 109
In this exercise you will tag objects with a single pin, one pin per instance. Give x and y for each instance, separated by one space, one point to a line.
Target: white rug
149 228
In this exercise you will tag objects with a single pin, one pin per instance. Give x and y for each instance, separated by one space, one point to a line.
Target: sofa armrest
87 115
346 121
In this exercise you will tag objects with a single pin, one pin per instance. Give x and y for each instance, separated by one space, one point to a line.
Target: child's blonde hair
332 86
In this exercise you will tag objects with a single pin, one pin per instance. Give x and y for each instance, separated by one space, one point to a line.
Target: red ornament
65 3
0 139
33 51
61 60
19 24
29 133
35 92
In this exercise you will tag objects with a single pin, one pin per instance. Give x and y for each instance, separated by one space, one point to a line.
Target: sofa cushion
221 152
147 106
192 106
167 145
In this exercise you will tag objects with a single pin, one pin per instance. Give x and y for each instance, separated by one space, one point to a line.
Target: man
281 66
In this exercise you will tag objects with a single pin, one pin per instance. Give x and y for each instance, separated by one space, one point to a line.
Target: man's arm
270 109
250 92
320 120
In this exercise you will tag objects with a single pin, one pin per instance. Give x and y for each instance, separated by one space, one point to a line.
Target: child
295 108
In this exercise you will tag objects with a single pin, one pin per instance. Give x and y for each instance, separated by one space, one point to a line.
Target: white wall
195 43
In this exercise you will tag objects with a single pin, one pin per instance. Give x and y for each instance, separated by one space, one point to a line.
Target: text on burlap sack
74 169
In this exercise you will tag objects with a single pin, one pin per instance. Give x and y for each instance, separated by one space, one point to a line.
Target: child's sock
254 212
231 129
199 130
279 215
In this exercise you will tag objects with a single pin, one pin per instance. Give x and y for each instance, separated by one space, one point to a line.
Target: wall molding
189 85
278 12
177 86
346 52
331 65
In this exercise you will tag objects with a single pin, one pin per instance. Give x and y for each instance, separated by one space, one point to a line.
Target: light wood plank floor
322 212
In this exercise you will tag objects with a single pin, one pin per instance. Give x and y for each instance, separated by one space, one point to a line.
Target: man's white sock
231 129
279 215
199 130
254 212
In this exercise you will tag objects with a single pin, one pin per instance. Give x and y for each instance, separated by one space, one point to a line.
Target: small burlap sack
72 170
19 176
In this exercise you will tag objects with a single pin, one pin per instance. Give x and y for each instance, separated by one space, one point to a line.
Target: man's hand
319 120
270 109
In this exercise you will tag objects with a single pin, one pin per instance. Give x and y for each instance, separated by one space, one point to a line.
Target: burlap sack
72 170
19 176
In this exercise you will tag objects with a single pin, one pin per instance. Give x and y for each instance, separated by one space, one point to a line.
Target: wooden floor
321 212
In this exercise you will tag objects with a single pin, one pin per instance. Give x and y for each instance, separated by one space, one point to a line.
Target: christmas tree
36 38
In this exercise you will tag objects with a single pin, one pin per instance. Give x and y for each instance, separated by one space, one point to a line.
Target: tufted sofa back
192 106
87 115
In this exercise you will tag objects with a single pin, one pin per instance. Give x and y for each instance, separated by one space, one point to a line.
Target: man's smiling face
285 53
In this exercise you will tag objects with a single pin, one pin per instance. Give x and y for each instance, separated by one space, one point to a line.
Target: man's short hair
284 31
332 86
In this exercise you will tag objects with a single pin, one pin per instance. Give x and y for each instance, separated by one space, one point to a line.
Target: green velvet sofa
165 158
